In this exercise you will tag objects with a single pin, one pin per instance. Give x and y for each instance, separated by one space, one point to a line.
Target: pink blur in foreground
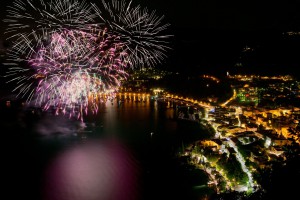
97 170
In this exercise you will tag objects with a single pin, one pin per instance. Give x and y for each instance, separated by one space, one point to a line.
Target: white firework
30 22
142 32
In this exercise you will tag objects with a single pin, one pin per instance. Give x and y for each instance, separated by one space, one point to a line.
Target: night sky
209 35
228 15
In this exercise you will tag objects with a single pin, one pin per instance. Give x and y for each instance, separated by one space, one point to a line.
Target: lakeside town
254 131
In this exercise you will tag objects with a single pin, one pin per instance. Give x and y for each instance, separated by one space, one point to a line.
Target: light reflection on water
126 149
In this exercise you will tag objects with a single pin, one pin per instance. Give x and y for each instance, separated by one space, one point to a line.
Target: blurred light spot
96 170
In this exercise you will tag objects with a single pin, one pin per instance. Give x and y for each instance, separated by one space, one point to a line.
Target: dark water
126 151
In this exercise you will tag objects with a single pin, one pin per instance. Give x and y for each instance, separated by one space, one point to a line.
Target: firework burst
70 69
30 22
141 32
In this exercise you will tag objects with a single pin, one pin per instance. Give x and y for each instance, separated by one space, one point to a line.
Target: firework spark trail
73 97
142 32
73 50
70 74
32 20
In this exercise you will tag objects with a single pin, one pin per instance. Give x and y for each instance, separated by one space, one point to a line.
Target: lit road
238 156
231 98
242 161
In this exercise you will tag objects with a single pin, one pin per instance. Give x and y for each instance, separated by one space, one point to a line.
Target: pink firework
76 68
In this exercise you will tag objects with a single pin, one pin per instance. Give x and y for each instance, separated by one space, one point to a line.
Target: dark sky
212 33
220 14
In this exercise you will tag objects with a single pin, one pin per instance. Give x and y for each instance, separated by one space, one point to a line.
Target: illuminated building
248 95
